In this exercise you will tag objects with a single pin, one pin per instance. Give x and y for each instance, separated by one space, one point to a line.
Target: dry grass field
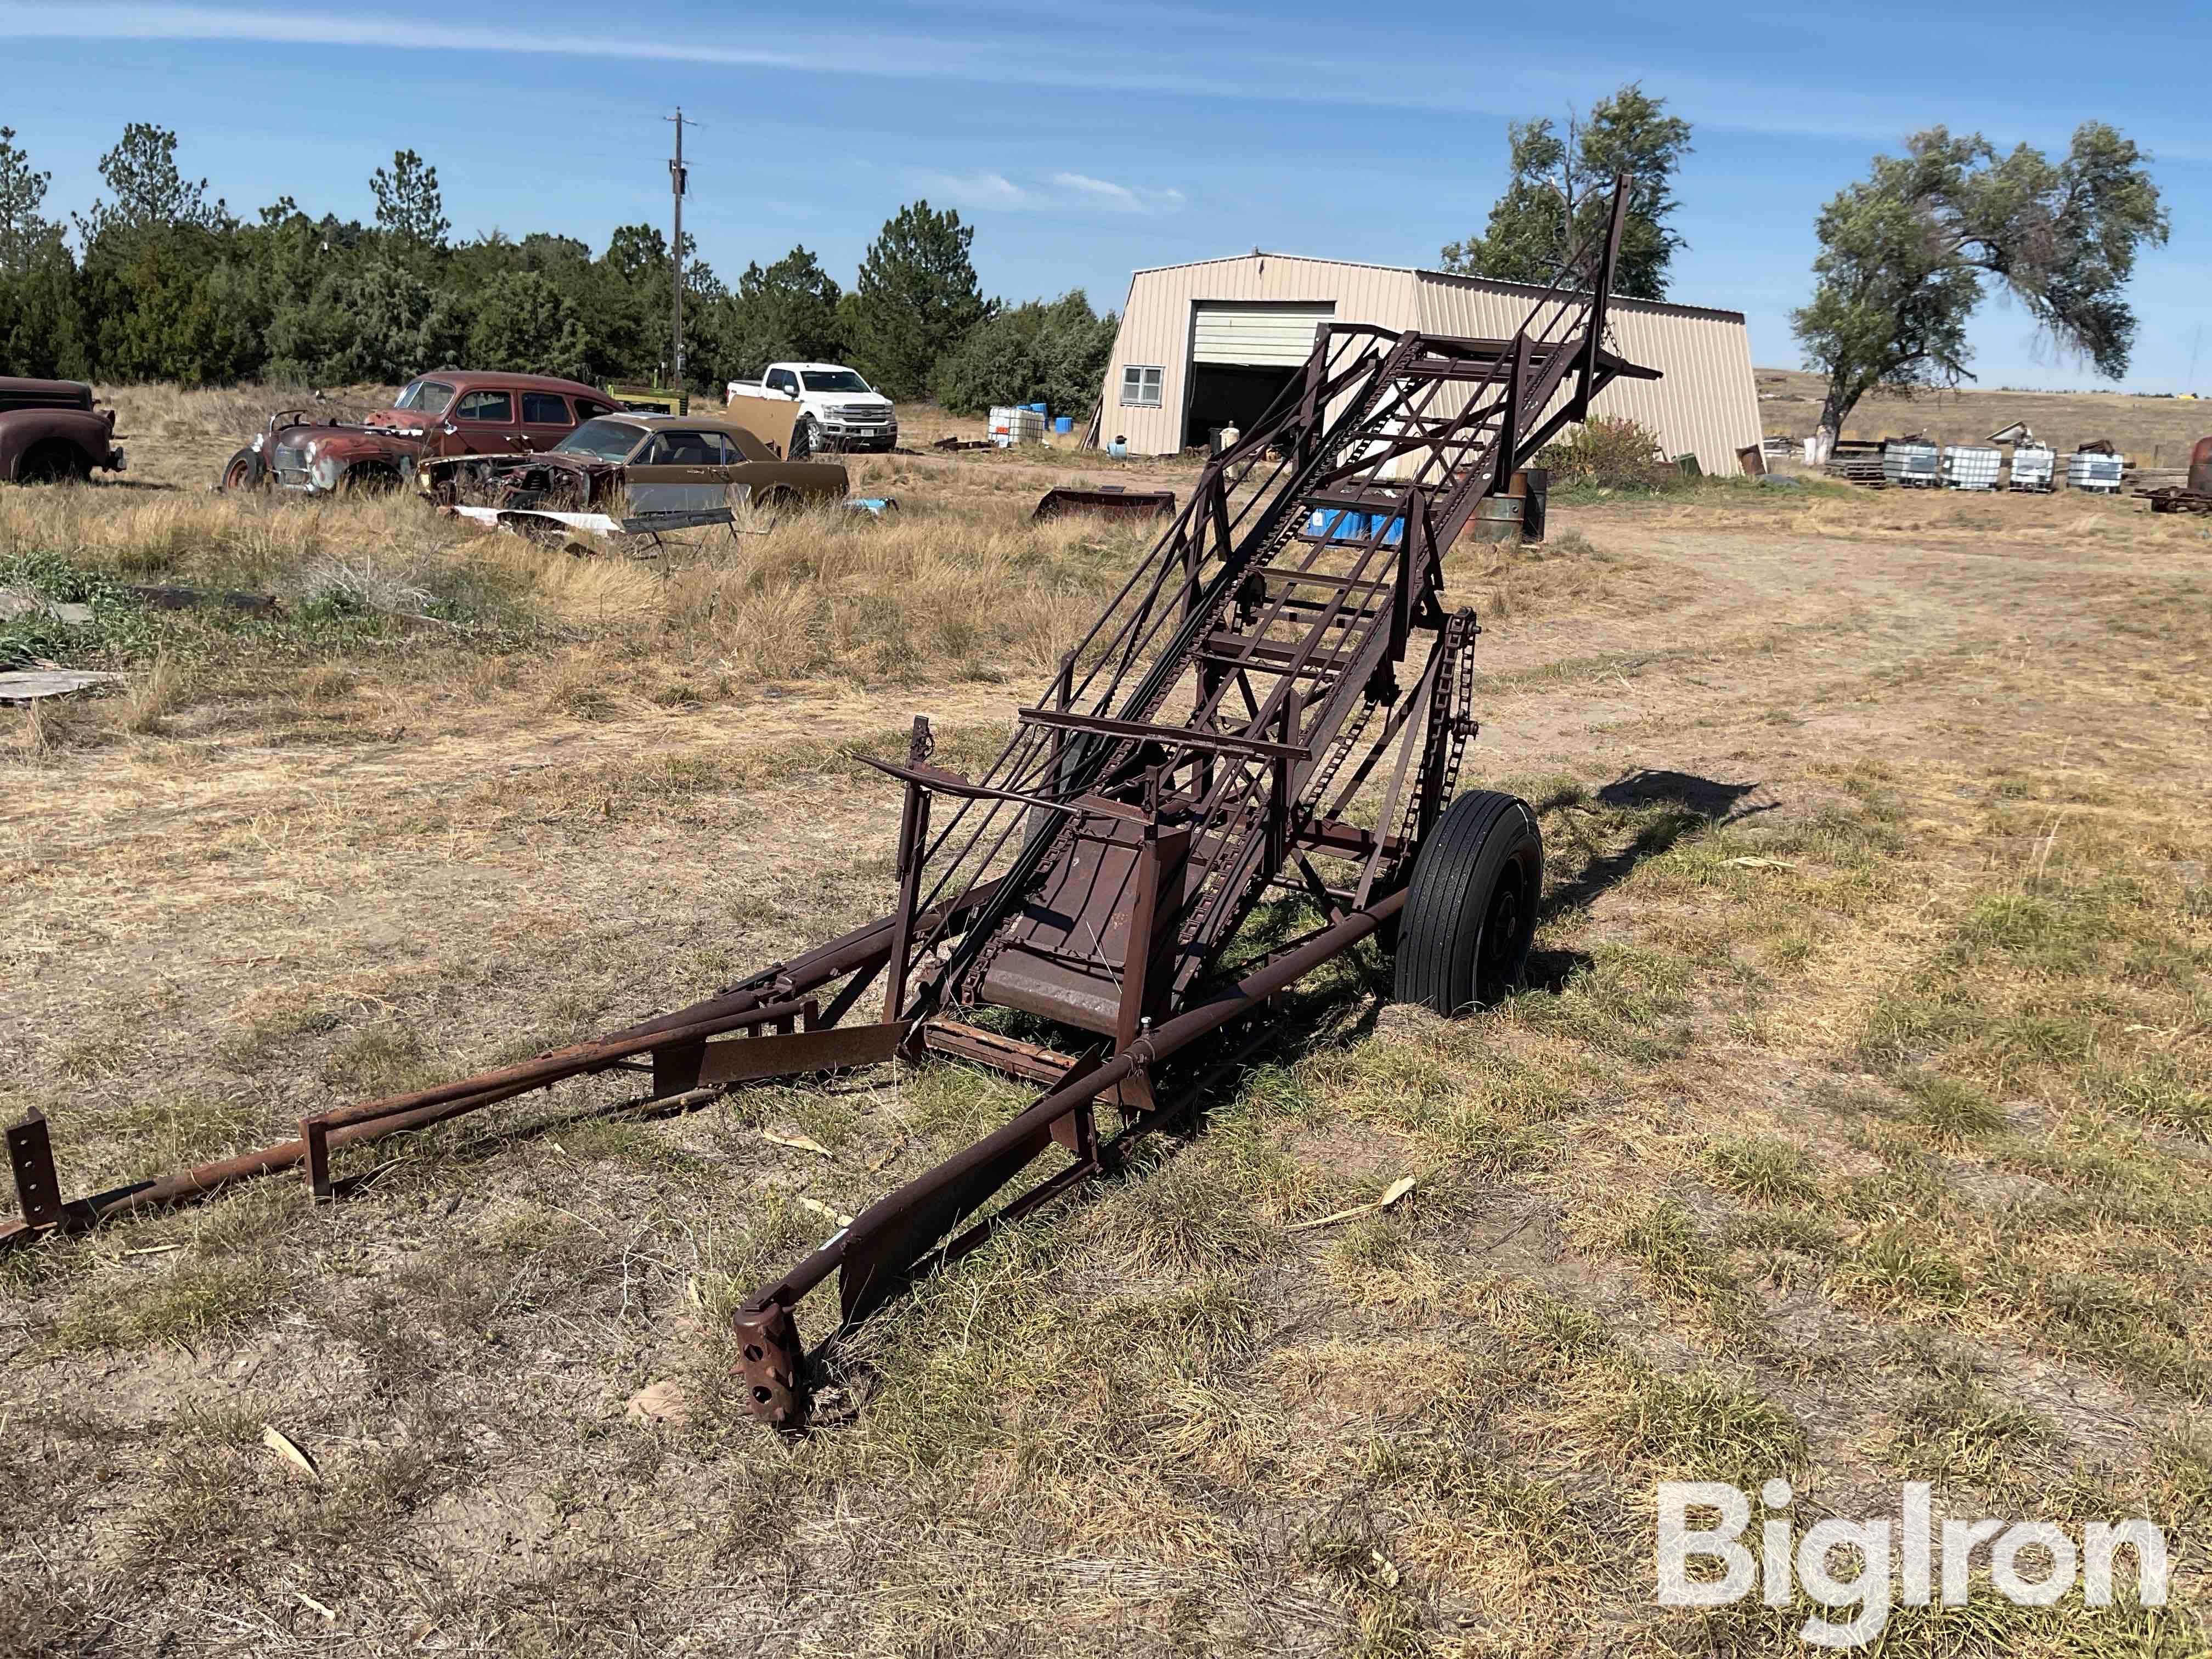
2152 432
1856 1126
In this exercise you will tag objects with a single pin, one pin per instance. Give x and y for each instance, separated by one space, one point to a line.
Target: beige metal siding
1706 405
1156 323
1273 334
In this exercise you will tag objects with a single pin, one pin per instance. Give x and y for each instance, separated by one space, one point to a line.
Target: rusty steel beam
879 1253
771 997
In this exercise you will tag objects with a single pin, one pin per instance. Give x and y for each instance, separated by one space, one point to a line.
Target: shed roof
1662 307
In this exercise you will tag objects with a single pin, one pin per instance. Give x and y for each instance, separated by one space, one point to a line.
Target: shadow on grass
1671 804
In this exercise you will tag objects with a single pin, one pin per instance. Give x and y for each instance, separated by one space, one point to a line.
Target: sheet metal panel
1707 405
1275 335
1159 323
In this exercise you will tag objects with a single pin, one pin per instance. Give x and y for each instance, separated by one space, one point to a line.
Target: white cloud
992 190
1121 195
1124 198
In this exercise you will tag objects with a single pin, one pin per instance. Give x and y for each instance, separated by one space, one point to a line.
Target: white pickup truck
838 410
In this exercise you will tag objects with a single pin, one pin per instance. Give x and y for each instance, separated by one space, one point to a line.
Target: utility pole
677 182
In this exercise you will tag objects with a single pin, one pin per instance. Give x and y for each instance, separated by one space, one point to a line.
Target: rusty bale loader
1272 660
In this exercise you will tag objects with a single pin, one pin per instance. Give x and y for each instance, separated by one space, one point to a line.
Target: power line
679 183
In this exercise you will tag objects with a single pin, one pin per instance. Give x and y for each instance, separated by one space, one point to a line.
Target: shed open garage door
1243 353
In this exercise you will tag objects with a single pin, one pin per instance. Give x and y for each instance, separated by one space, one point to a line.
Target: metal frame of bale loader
1200 748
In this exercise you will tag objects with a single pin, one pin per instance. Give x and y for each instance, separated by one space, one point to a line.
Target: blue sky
1085 141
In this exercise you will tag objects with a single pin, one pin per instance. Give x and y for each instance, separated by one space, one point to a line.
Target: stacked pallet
1856 460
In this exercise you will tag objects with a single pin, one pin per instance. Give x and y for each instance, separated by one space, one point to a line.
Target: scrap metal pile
1275 700
2193 496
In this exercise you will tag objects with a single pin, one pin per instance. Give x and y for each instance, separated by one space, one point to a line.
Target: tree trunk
1835 408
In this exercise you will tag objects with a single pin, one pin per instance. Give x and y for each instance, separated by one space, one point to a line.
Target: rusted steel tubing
862 948
487 1088
1176 1034
375 1120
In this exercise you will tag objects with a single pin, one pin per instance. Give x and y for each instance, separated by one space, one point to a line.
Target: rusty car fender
90 434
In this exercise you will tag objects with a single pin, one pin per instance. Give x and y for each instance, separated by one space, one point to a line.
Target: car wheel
805 438
775 505
244 470
53 462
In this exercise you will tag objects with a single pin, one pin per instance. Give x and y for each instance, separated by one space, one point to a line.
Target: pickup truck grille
872 414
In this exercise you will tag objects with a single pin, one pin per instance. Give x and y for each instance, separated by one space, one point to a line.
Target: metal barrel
1498 518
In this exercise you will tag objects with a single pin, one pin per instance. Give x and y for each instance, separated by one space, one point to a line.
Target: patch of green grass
1894 1269
1798 1231
1956 1113
1627 1001
2109 1321
380 1059
196 1301
1766 1170
1568 1330
1710 1426
1184 1217
1666 1242
266 1040
1370 1244
2157 1095
2036 928
160 1134
1986 1626
1550 1529
1959 1430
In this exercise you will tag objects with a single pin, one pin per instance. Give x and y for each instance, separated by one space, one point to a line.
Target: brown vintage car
450 412
637 467
50 433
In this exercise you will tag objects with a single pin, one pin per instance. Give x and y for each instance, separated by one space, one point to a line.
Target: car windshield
603 440
833 379
430 397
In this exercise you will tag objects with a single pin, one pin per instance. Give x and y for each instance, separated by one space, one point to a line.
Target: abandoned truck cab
450 412
50 433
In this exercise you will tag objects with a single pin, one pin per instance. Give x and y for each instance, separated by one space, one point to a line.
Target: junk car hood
352 435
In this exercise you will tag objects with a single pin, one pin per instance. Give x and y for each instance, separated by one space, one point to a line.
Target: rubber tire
1470 915
805 438
53 461
251 469
776 504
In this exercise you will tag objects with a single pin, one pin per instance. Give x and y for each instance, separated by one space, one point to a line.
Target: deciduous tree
1906 253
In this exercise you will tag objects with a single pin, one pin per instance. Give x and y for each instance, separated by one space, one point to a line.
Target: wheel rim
236 475
1498 956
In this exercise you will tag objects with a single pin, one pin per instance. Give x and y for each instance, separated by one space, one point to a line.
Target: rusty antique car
450 412
50 433
624 472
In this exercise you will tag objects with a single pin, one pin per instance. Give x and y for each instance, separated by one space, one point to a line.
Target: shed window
1141 386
